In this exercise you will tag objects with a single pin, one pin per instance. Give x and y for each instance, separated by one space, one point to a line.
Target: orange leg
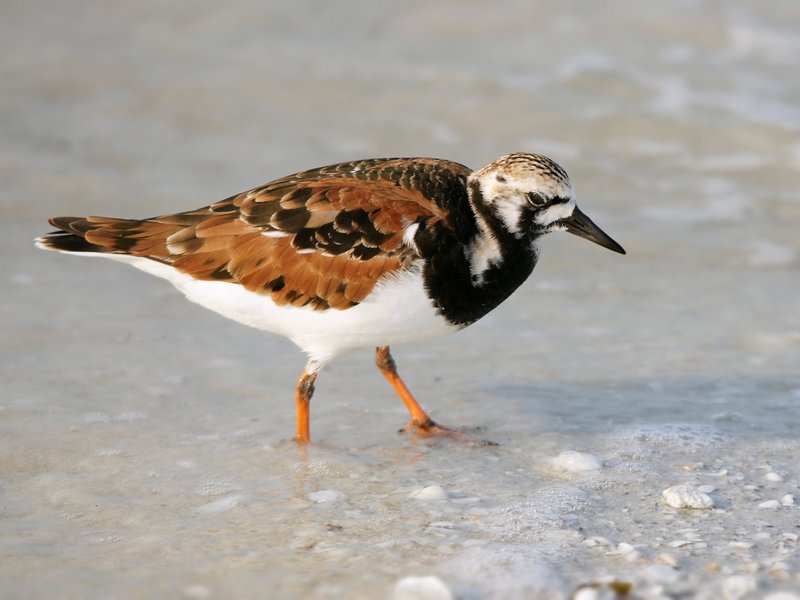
305 389
420 420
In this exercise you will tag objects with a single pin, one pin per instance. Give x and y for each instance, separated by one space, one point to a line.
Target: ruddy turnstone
365 253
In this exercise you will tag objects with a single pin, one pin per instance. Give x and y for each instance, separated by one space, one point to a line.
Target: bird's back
321 238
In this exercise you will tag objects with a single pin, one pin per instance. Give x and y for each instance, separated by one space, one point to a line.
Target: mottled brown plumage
365 253
319 238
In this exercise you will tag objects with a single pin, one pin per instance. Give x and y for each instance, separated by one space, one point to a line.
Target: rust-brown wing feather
319 238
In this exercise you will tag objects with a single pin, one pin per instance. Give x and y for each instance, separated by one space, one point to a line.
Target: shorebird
365 253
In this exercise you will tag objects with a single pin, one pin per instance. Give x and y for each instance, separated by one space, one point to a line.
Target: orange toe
432 430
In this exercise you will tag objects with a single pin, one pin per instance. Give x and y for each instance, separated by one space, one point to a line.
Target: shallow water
144 448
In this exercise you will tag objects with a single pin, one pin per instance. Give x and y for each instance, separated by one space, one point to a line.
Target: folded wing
319 238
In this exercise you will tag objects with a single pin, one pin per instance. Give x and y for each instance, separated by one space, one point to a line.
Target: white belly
397 310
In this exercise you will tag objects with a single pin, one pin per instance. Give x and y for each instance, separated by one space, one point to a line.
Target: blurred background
126 410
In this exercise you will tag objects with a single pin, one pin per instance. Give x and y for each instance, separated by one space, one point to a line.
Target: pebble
625 548
633 556
326 496
770 504
586 593
787 500
687 496
792 537
668 559
421 588
773 476
626 551
611 590
779 570
663 574
432 492
707 488
596 540
576 462
736 586
740 545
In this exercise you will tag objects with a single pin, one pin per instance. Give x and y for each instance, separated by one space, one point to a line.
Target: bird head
532 195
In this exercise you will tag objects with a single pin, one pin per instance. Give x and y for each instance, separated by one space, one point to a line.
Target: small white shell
432 492
326 496
687 496
576 462
421 588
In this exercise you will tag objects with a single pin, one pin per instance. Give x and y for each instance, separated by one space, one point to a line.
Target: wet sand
144 442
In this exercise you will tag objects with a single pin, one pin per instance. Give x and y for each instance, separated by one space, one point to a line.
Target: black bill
581 225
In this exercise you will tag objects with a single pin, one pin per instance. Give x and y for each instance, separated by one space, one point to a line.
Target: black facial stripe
536 199
540 201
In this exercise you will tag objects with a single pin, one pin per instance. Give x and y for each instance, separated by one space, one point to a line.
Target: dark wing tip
70 236
63 241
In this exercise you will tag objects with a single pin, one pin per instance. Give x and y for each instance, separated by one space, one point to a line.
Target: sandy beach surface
145 443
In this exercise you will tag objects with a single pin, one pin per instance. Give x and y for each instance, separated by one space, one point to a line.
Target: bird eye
500 179
536 199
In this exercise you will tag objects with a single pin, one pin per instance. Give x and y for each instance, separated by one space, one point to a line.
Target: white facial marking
556 213
505 200
510 213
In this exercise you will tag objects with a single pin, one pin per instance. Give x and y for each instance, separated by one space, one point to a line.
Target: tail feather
62 241
108 235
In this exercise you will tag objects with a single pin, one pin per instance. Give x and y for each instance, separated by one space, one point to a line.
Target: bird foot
432 430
